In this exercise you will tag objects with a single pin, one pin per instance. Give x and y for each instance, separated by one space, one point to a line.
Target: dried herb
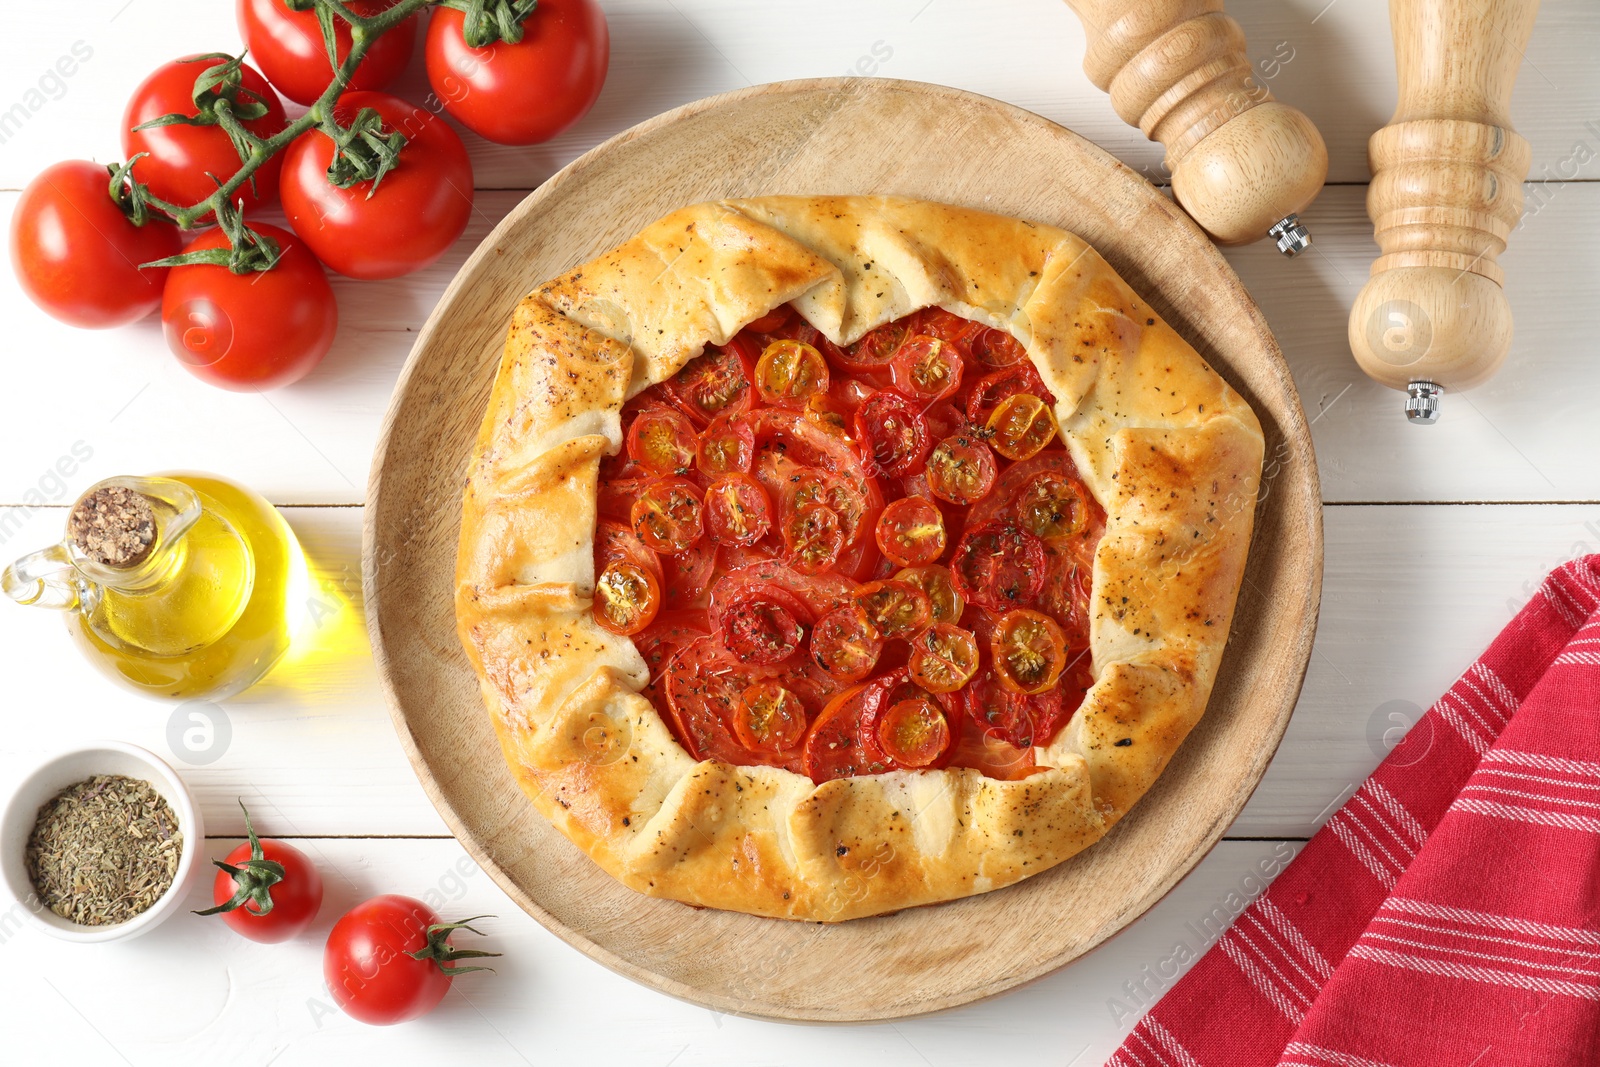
104 850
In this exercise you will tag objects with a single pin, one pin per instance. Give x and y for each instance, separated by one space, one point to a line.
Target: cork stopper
113 526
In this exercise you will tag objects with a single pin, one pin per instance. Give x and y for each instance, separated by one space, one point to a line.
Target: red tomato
876 349
944 599
253 331
984 395
790 373
688 573
738 511
77 255
769 718
1016 718
998 566
846 644
814 536
997 348
704 686
662 441
1020 426
527 92
667 515
1029 651
911 531
843 742
897 609
670 632
759 624
943 658
370 967
287 46
626 597
914 732
893 433
926 369
182 159
413 214
716 382
267 890
961 469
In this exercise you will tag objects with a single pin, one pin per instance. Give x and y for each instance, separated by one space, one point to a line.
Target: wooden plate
831 136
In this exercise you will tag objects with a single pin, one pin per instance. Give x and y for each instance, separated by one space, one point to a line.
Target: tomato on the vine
184 163
77 255
250 331
398 224
267 890
527 92
287 45
385 961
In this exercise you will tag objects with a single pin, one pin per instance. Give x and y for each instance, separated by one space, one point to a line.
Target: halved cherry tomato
943 658
949 328
704 683
843 741
769 718
997 348
1052 506
772 321
945 420
846 644
814 536
686 574
945 601
716 382
914 732
961 469
926 369
997 506
876 349
662 441
790 372
895 609
984 395
809 485
614 541
911 531
1030 651
1021 426
828 414
893 433
759 624
626 597
1015 718
998 566
726 446
737 510
667 514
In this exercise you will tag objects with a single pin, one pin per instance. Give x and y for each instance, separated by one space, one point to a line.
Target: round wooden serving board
819 137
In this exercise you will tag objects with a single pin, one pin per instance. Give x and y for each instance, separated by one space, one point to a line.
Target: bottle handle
46 579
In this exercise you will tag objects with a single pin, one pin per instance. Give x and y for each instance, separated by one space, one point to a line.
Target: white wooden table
1434 536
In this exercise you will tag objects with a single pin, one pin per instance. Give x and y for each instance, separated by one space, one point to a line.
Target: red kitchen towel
1449 914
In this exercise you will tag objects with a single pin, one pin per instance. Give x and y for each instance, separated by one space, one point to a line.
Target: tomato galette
825 556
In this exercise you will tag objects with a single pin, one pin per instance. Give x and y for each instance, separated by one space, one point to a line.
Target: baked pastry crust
1171 452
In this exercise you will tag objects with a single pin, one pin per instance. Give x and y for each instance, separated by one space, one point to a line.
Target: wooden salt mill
1243 165
1446 192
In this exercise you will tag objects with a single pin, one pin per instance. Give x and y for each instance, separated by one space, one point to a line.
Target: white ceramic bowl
68 768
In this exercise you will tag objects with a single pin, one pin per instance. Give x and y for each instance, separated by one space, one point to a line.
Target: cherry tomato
789 373
1052 506
667 515
997 348
814 537
371 965
911 531
264 903
254 331
943 658
1015 718
527 92
769 718
662 441
926 369
759 625
716 382
616 541
987 392
846 644
944 601
998 566
77 255
727 446
961 469
1030 651
896 609
1020 426
809 485
704 684
738 511
945 420
914 732
182 159
876 350
287 46
843 741
893 433
772 321
626 597
948 327
401 223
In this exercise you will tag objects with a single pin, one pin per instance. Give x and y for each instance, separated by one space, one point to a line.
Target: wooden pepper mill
1243 165
1446 192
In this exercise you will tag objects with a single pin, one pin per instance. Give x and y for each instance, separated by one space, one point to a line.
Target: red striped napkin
1449 914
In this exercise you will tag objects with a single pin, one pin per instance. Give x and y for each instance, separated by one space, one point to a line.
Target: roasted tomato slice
1010 716
1052 506
703 685
1029 650
814 537
945 420
737 510
761 623
843 740
846 644
998 566
913 732
1021 426
613 540
997 348
982 748
621 482
895 609
662 440
949 328
876 350
911 531
815 594
945 601
626 597
791 372
893 434
769 718
671 631
726 446
926 369
772 321
716 382
943 658
667 514
686 574
961 469
984 395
